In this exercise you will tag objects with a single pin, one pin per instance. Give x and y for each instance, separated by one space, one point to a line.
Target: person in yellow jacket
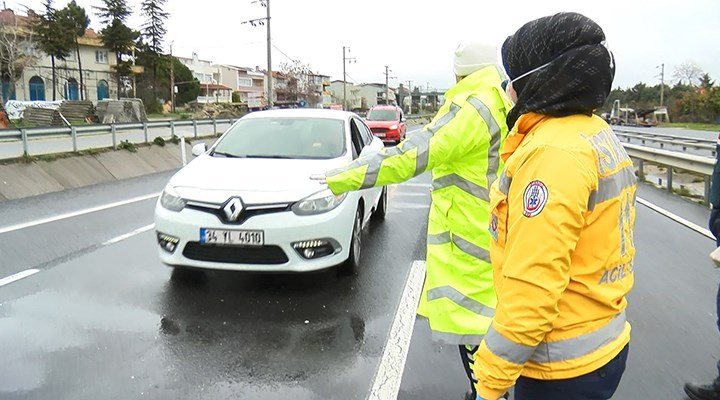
563 213
461 146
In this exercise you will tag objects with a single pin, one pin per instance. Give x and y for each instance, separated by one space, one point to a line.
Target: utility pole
172 79
410 95
346 60
662 83
387 84
265 21
266 3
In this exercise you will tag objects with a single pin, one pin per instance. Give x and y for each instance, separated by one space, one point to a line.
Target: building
34 82
247 83
320 86
354 100
210 76
361 97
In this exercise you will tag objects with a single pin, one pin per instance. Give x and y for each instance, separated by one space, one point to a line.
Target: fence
673 159
25 135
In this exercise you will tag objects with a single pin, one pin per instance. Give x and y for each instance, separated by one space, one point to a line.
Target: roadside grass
692 125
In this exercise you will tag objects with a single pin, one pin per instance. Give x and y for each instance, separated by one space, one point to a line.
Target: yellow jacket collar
524 127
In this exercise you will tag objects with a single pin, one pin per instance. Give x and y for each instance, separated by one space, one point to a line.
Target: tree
51 37
706 82
117 36
153 30
13 59
188 86
299 83
687 71
74 19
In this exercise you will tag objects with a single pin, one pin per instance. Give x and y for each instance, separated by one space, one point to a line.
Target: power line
283 53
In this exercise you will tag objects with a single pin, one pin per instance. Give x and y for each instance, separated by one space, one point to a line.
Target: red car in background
387 123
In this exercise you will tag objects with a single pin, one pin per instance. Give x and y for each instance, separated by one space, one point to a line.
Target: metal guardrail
25 134
663 139
673 159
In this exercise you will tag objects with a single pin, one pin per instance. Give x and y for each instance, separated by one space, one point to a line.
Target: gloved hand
320 178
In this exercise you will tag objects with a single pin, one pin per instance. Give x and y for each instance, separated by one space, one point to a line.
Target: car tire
381 209
351 265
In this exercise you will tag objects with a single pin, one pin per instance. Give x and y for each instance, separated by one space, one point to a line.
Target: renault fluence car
253 201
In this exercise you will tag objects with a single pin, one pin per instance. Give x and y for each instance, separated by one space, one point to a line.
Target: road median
32 176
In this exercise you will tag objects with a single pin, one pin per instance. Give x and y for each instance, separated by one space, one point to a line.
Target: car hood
257 181
380 124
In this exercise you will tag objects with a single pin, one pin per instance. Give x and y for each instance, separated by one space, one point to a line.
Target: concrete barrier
20 180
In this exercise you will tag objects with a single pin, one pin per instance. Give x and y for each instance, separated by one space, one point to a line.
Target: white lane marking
413 131
129 235
697 228
73 214
16 277
386 384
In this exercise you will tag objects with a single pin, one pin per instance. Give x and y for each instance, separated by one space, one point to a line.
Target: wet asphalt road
110 322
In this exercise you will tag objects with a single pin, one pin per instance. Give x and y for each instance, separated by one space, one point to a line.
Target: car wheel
350 266
381 209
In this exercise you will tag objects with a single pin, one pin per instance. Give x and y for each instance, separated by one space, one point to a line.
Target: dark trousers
467 355
714 225
597 385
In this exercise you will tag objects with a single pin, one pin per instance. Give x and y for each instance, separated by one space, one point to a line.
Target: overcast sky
416 39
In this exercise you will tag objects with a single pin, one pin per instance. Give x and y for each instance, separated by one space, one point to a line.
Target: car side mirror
199 149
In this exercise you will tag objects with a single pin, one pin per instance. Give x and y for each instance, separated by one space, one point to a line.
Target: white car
255 200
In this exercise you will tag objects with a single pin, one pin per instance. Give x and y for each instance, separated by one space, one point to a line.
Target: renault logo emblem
233 209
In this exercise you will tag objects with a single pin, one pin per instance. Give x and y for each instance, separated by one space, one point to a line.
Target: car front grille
263 255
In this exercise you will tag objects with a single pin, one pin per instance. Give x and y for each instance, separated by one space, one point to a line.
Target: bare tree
688 72
15 54
300 83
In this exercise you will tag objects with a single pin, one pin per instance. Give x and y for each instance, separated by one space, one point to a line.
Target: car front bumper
280 229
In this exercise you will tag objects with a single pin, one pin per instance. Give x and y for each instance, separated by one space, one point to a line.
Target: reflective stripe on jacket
462 148
563 214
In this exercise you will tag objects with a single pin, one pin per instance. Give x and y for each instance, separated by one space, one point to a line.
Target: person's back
599 182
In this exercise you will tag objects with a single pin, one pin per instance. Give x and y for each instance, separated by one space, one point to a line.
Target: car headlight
170 200
393 127
318 203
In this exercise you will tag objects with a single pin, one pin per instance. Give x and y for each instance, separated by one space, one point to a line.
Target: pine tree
117 36
52 37
75 19
153 30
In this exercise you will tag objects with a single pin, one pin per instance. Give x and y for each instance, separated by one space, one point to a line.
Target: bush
159 141
127 145
184 116
236 97
153 106
174 139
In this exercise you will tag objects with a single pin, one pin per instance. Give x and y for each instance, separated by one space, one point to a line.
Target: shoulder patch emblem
535 198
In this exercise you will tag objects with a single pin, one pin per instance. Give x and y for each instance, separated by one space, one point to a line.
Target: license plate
232 237
380 135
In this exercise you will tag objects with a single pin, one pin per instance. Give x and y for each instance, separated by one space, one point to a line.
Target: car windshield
382 115
296 138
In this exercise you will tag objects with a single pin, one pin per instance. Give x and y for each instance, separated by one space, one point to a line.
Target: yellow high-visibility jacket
563 214
462 148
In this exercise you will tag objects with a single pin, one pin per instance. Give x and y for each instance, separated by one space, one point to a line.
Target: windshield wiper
227 155
268 156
